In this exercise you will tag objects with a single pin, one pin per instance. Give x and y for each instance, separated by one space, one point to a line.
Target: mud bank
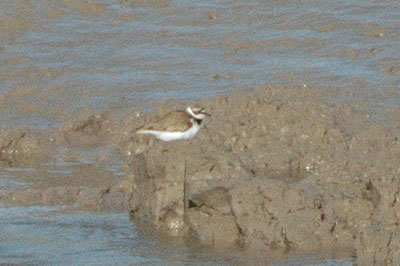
75 166
274 169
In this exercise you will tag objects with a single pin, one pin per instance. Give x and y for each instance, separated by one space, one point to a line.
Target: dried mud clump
275 169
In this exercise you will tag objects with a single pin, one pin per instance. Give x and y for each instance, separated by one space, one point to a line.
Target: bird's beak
207 114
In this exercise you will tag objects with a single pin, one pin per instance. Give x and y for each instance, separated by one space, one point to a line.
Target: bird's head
197 112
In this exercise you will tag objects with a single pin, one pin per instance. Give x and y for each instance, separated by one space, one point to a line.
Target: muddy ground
274 169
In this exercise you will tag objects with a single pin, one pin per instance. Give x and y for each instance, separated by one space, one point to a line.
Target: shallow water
64 59
61 236
50 236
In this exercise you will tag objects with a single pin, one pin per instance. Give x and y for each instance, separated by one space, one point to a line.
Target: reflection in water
49 236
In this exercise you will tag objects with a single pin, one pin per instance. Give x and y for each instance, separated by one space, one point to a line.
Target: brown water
61 61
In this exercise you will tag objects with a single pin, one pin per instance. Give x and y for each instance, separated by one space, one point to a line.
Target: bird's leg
184 189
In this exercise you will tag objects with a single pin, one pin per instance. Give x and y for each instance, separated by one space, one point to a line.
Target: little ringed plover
176 125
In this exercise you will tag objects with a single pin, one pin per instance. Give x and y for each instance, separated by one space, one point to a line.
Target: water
50 236
62 59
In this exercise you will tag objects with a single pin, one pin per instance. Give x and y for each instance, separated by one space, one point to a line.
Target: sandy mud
275 169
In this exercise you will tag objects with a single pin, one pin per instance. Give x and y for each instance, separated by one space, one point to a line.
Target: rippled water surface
62 59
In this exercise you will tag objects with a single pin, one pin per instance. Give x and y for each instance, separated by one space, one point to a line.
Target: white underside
169 136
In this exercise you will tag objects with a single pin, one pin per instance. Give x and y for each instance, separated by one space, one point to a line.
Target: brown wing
173 121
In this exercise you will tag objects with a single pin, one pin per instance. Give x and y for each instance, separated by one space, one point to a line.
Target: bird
176 125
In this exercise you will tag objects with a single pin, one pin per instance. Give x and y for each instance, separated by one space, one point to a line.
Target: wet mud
275 169
307 163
